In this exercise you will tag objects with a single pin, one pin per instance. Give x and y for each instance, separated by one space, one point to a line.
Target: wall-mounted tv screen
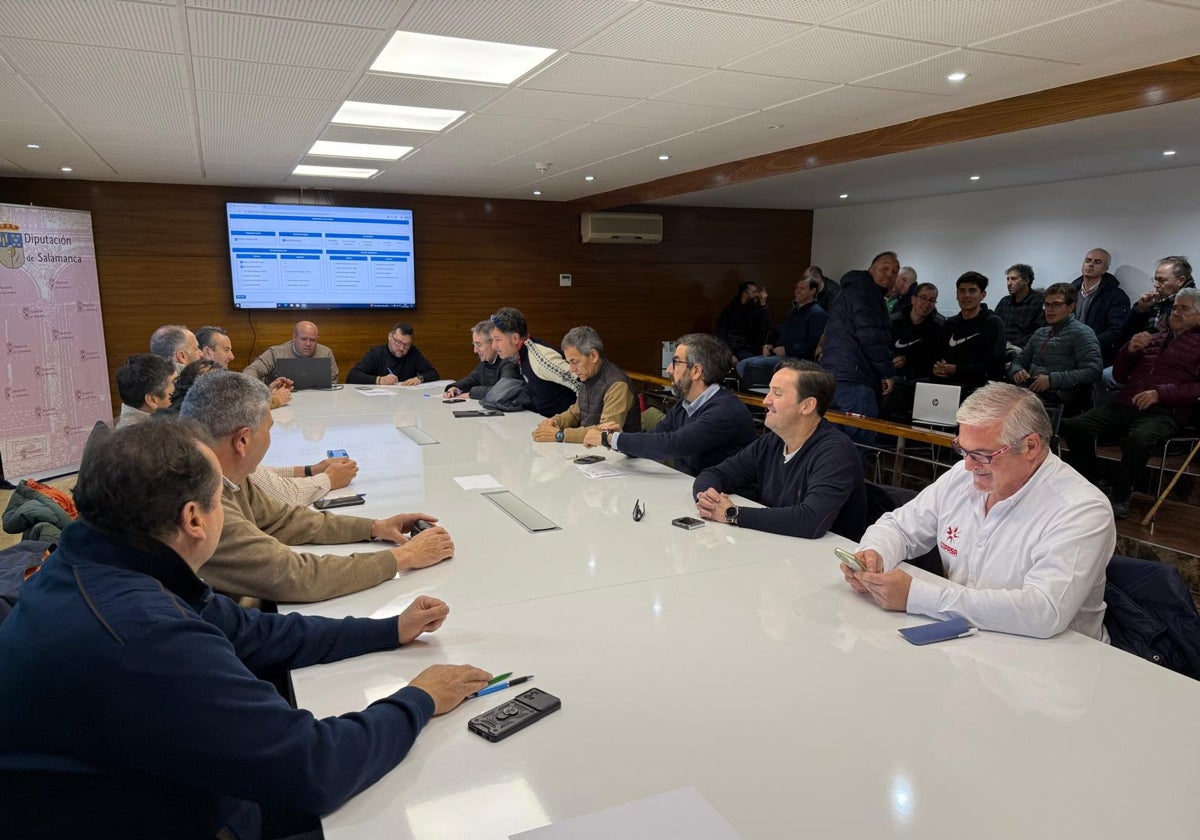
290 256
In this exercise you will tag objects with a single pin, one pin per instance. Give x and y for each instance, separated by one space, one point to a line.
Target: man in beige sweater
252 559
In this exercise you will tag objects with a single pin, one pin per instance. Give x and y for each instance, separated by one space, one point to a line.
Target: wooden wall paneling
162 257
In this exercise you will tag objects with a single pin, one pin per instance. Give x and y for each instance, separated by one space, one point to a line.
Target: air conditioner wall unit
621 228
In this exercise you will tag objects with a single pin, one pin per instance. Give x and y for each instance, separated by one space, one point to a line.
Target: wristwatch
558 436
731 515
604 438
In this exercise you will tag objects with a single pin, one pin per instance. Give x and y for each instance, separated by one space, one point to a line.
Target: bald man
304 345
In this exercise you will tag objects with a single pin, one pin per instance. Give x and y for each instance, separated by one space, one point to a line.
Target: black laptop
306 373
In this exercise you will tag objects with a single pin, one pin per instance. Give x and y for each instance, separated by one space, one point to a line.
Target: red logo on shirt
951 534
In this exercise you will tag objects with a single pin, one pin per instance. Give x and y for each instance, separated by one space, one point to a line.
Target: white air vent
621 228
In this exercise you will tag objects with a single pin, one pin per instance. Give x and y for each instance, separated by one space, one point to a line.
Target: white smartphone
849 559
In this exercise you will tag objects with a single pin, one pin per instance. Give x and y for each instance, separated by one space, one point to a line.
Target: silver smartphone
849 559
689 523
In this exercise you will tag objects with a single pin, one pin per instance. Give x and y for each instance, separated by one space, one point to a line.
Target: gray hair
1190 293
709 352
168 339
1018 410
1180 267
224 401
483 328
583 339
909 271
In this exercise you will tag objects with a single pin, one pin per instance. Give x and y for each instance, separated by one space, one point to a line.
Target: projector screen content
287 256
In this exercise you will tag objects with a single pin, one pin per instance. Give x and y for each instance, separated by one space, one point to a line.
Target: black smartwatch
604 438
731 515
558 436
307 471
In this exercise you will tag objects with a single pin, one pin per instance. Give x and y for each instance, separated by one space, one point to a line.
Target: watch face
731 514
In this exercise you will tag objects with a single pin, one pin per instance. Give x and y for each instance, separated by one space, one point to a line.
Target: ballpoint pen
500 686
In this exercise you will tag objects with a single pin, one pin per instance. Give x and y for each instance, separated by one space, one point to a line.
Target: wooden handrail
874 424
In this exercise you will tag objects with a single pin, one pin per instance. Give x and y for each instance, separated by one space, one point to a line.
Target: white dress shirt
1034 565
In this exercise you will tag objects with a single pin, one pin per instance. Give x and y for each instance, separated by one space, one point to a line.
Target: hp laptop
306 373
936 404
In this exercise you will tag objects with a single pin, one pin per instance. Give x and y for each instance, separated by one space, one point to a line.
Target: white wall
1139 218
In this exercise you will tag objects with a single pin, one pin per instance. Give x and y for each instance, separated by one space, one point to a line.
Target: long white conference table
732 661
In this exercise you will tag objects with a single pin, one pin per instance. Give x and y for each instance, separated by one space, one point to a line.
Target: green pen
500 678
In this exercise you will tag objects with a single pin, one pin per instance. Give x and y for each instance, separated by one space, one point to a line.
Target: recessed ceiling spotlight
957 77
589 177
537 192
66 169
32 146
844 195
1168 152
664 157
974 177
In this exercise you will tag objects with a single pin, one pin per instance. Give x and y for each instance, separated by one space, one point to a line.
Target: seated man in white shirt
1024 539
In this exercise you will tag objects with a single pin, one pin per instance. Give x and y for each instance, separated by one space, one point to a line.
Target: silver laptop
936 404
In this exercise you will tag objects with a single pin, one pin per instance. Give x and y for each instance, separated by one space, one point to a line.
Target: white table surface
731 660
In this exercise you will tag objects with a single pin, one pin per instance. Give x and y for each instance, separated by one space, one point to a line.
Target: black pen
499 686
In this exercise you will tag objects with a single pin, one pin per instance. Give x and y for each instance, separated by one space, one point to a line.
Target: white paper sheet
477 482
374 392
676 813
599 470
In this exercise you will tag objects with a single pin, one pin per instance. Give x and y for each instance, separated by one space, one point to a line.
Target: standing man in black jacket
398 362
1102 304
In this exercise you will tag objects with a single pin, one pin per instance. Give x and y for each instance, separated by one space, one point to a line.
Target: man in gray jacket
1062 359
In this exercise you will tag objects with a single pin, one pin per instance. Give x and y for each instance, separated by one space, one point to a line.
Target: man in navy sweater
130 704
398 362
706 425
808 475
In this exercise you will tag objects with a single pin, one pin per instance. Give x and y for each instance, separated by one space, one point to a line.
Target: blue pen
491 689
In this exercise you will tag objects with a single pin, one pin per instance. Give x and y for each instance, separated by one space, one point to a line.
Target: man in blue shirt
705 427
808 475
130 704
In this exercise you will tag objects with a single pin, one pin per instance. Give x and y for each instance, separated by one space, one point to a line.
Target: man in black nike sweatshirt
973 340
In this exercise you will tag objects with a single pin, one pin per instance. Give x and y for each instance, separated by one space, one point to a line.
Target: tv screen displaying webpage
288 256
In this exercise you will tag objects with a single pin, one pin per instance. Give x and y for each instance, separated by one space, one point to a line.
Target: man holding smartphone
252 559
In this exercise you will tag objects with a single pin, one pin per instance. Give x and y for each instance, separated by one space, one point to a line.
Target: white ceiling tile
556 24
828 55
251 140
15 89
171 130
956 22
270 79
467 151
100 64
267 173
380 14
423 93
150 168
1119 27
105 23
743 91
535 131
589 144
800 11
850 103
557 106
687 36
48 134
606 76
234 107
10 168
769 124
985 69
74 97
159 174
276 41
673 116
366 134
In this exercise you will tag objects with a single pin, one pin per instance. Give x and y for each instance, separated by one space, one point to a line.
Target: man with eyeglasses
916 342
1161 372
490 370
397 362
707 424
1061 360
1023 538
